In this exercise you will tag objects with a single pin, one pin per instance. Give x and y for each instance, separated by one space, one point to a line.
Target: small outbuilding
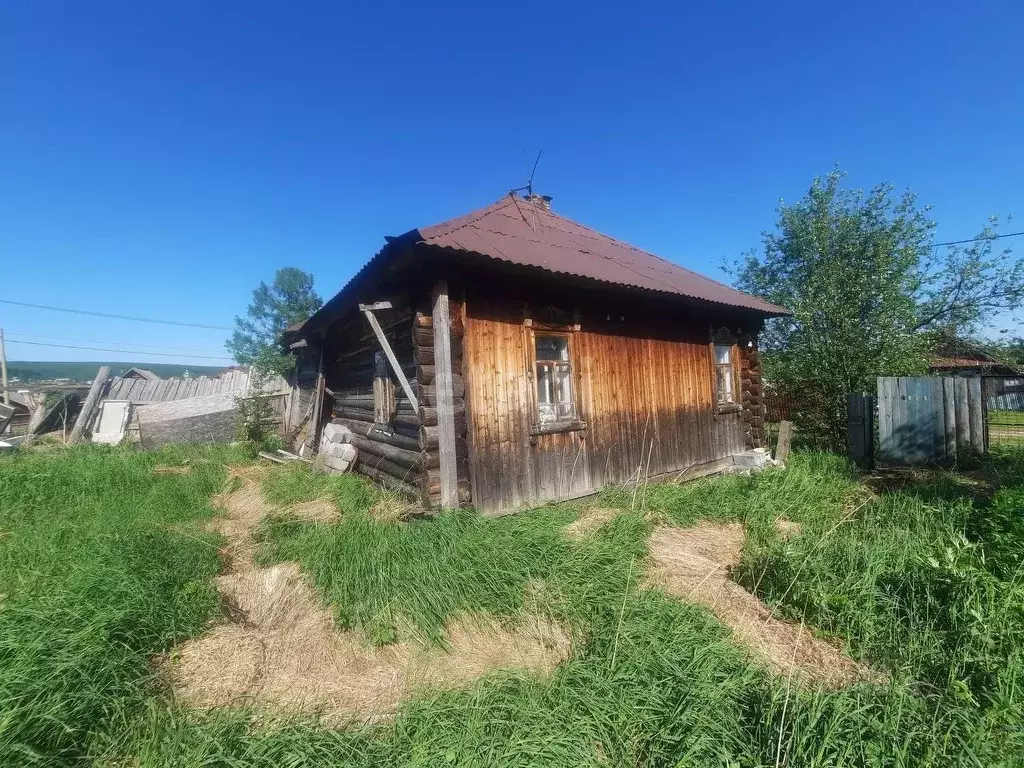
512 356
955 356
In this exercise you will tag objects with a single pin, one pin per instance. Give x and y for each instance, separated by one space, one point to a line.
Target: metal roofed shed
512 356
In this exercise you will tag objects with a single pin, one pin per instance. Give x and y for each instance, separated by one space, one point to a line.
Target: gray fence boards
928 419
1004 394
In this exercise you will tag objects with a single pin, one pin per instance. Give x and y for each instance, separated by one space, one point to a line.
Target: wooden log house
511 356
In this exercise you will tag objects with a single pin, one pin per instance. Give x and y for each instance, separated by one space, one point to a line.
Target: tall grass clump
384 577
924 582
100 568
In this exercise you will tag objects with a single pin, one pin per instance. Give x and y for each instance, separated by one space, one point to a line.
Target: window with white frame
554 378
725 373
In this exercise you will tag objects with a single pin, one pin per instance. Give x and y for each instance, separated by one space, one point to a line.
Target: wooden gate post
860 427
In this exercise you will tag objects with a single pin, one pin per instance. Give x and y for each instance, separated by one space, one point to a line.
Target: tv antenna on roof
529 183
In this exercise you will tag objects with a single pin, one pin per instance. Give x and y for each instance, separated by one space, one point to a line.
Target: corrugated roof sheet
520 232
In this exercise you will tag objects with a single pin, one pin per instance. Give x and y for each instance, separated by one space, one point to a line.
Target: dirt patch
589 521
693 564
282 650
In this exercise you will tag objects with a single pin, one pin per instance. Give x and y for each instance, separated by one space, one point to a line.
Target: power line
98 341
126 351
116 317
976 239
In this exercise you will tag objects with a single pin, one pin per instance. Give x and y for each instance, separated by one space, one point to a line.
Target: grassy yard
1015 418
105 565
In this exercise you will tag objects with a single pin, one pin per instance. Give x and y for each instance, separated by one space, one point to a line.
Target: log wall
391 451
751 392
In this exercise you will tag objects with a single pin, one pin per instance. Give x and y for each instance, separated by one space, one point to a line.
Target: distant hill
41 371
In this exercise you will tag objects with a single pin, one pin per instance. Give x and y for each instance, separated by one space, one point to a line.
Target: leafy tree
867 290
1008 350
291 298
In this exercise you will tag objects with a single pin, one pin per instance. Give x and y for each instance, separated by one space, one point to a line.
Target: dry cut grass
282 651
693 564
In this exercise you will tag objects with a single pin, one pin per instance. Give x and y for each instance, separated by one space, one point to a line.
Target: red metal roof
520 232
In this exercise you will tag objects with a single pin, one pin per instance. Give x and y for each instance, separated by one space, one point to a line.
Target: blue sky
158 160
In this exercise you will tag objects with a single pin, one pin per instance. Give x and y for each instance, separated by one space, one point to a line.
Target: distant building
955 356
139 373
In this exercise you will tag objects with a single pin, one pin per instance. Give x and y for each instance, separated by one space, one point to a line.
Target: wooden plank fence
929 419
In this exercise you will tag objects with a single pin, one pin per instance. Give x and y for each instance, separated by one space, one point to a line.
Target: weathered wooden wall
644 392
207 419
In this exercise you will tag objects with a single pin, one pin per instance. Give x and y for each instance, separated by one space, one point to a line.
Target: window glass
725 378
554 379
725 394
552 348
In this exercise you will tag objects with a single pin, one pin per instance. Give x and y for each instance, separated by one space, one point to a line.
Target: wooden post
785 438
316 420
3 368
949 419
976 407
861 430
85 414
445 397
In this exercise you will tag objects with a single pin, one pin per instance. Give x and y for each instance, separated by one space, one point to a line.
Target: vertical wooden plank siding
646 402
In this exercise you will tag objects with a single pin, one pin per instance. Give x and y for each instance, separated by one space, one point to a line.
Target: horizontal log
427 395
428 414
423 320
354 401
403 456
423 337
412 432
432 487
407 420
373 432
389 481
425 374
407 363
351 412
405 474
398 341
343 392
429 436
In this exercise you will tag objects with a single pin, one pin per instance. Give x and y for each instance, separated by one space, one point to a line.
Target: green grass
100 567
925 583
1015 418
